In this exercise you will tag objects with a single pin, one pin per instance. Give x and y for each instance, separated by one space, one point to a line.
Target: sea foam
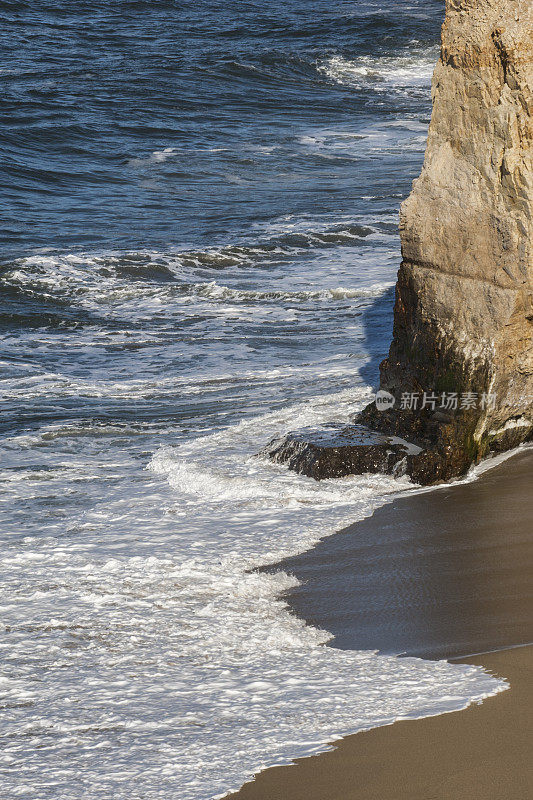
395 73
168 666
145 657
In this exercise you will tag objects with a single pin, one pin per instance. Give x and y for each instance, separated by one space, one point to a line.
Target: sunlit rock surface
464 298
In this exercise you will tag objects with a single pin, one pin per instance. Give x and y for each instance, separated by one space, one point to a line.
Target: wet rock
335 451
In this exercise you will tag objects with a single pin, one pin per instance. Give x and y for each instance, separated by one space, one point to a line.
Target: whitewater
146 657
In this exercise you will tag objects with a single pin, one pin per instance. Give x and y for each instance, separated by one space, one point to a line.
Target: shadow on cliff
377 327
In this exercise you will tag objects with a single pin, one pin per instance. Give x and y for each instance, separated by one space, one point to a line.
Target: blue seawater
199 245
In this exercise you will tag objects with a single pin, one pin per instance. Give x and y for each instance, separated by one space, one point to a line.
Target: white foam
393 72
143 658
166 668
218 291
365 141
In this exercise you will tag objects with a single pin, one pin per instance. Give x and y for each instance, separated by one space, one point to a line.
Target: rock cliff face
463 321
464 298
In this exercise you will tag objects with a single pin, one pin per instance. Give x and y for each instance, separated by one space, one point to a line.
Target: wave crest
394 72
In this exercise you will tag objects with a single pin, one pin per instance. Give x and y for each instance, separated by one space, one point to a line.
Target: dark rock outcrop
336 450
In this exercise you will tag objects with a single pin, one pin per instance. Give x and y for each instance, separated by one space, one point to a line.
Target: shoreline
479 753
439 574
467 754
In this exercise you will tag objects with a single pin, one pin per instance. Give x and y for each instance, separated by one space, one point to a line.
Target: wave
303 695
125 301
179 653
25 383
216 291
390 72
142 280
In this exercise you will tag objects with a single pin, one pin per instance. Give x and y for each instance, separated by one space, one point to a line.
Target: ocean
200 242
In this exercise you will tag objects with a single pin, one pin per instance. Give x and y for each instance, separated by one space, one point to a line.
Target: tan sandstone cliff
464 298
463 318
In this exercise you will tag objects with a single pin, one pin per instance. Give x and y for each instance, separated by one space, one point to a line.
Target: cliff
462 349
463 320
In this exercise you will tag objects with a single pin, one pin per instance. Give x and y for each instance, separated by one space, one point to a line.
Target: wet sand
440 574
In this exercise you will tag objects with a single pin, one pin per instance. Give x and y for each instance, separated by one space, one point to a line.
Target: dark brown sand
482 753
438 574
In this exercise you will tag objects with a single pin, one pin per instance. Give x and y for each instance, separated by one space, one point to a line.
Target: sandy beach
436 575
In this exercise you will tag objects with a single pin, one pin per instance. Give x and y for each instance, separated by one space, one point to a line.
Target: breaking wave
388 73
